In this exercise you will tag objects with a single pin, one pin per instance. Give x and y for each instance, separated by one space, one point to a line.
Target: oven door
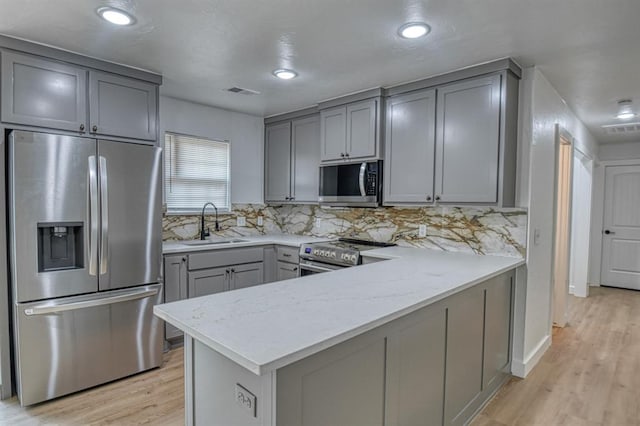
308 267
354 184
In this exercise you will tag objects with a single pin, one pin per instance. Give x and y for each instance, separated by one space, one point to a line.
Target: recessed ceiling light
285 74
625 110
115 16
414 30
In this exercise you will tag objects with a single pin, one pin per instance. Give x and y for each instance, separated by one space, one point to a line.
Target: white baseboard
521 368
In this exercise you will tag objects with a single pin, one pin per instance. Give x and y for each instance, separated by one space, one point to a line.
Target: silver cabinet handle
92 235
104 215
99 301
363 170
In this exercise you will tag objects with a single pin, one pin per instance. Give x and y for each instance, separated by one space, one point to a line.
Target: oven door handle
314 268
363 171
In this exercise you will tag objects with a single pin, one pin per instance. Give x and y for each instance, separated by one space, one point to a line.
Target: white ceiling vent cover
622 129
243 91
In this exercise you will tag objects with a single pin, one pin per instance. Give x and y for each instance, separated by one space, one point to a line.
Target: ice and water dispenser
60 246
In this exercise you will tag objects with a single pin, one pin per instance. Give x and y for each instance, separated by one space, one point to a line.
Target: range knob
333 254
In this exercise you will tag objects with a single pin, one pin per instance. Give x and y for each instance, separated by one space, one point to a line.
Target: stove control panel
327 253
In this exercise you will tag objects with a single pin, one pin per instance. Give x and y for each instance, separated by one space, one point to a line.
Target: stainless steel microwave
351 184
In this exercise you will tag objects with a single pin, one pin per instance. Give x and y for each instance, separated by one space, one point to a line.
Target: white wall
541 107
626 153
245 133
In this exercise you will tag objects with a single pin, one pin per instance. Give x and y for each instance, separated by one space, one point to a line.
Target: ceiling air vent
243 91
622 129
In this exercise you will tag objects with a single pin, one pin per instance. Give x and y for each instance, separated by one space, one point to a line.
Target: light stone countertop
269 326
173 247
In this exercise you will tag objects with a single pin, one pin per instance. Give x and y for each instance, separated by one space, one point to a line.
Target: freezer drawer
73 343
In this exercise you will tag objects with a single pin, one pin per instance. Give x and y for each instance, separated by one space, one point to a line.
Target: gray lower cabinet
497 327
286 271
42 93
175 286
247 275
410 148
121 106
468 141
208 281
292 157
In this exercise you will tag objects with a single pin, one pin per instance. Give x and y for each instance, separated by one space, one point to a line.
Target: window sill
208 212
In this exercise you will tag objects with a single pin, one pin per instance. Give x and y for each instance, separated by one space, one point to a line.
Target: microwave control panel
372 180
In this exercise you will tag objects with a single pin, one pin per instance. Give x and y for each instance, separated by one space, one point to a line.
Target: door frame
562 138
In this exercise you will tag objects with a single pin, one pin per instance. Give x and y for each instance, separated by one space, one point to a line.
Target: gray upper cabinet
278 162
410 148
305 137
333 133
122 107
350 132
361 129
292 157
42 93
468 141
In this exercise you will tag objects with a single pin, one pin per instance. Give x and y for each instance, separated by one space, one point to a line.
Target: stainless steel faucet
205 233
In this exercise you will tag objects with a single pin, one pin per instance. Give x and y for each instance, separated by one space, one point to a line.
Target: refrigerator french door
86 253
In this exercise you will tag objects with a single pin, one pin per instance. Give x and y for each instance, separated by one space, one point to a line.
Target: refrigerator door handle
104 214
92 235
98 301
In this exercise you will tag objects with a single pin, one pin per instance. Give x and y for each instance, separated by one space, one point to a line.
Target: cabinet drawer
216 258
287 254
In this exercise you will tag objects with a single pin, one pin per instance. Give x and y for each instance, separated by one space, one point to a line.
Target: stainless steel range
332 255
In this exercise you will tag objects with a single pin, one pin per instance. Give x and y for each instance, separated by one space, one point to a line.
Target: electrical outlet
246 400
260 221
242 221
422 231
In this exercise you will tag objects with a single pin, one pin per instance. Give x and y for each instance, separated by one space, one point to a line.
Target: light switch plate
422 231
246 400
260 221
242 221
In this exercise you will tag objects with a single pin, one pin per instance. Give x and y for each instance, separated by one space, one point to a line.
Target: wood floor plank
155 397
589 376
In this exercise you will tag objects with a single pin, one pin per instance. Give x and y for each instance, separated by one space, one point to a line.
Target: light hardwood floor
152 398
589 376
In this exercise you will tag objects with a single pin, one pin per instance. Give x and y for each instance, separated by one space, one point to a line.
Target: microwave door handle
363 171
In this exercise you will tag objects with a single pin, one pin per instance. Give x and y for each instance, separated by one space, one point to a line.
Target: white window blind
196 171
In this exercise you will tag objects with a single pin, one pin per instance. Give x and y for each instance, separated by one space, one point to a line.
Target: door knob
82 127
342 154
428 197
607 232
437 198
94 128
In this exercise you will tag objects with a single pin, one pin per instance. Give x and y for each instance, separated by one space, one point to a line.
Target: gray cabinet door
468 141
246 275
122 107
361 129
333 133
343 385
278 162
305 144
41 93
415 369
286 271
463 375
497 332
208 281
175 286
410 148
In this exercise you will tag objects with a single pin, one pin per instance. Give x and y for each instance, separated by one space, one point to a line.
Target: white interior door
621 232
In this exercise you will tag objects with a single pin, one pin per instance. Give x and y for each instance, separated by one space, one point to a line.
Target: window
196 171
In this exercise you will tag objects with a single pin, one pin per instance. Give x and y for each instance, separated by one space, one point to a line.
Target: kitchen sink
213 242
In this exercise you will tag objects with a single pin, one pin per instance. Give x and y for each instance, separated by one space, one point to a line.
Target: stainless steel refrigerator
85 253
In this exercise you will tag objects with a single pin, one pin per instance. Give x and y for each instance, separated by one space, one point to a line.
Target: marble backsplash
480 230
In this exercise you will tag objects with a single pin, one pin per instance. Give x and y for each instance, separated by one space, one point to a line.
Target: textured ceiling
588 49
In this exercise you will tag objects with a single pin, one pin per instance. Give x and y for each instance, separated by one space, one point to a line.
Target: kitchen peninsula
422 337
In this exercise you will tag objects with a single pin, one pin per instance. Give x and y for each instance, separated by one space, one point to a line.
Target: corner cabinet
41 93
351 132
453 144
292 157
44 93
